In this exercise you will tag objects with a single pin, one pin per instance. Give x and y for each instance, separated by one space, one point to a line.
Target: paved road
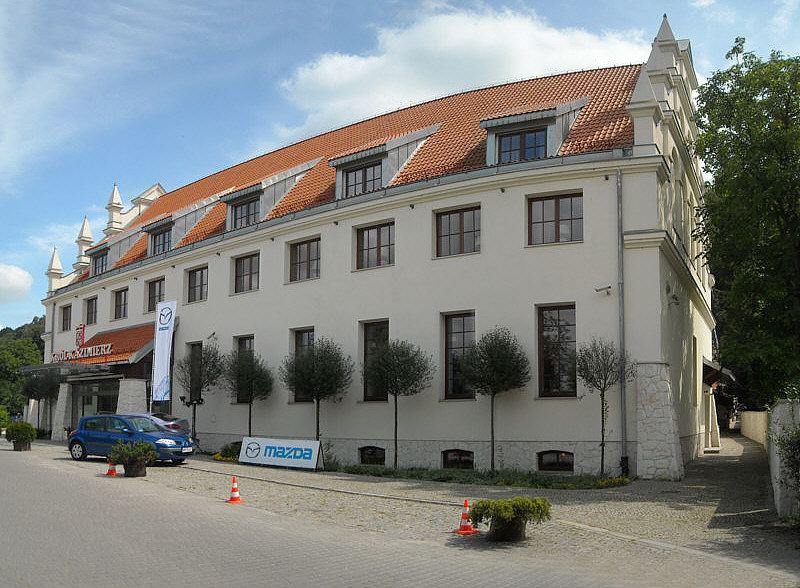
80 528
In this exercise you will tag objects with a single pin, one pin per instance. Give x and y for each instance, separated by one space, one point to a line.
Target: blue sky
139 92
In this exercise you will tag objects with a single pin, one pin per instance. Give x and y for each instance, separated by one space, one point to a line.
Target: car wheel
178 461
77 450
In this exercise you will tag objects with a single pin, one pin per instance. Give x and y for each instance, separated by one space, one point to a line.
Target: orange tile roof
126 343
458 145
135 253
211 224
525 109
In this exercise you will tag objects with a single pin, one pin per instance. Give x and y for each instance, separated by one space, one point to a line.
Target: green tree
749 222
496 363
398 368
197 372
247 378
322 372
600 365
14 355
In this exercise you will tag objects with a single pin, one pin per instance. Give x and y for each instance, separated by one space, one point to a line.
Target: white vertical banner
162 349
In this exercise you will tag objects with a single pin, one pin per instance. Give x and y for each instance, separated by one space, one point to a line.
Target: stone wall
755 425
659 453
785 414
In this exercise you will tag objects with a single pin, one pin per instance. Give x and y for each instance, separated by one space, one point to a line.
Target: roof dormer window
363 179
159 236
522 146
99 263
245 213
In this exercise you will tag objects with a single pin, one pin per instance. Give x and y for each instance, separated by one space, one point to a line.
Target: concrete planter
136 469
507 530
22 445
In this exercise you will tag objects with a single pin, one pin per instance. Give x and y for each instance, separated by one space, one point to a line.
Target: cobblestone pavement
715 526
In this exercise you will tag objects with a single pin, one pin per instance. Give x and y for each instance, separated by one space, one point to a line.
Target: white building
566 200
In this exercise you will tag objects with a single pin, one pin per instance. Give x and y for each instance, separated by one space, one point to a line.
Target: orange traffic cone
234 499
465 528
112 470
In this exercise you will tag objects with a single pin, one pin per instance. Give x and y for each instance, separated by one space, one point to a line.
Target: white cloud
63 236
442 53
782 20
702 3
15 283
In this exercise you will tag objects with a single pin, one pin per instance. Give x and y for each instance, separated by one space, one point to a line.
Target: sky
141 92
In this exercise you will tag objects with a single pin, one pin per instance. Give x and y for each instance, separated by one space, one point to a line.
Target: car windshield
144 425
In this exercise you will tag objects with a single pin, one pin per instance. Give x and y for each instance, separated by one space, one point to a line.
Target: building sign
84 352
292 453
162 349
80 330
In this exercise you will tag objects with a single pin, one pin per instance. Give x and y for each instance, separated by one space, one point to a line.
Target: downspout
52 331
623 462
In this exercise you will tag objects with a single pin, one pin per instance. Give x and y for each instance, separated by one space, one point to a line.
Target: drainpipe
52 331
623 462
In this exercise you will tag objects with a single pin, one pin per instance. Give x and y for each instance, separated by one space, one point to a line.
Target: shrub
788 446
231 450
128 453
20 431
4 420
536 510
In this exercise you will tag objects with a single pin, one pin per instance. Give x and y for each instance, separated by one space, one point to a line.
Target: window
304 260
459 336
155 294
244 386
371 455
121 304
523 146
245 213
161 242
458 231
246 273
557 219
66 317
556 461
375 246
195 371
375 334
362 179
198 284
303 341
460 459
99 263
557 329
91 311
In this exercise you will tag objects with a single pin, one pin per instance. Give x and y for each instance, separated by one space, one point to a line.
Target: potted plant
21 434
510 517
134 457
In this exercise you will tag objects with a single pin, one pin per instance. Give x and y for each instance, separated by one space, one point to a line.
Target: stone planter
136 469
22 445
507 530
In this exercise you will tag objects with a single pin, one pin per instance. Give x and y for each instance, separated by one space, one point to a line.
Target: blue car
96 435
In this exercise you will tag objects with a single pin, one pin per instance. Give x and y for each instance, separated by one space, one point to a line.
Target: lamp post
193 403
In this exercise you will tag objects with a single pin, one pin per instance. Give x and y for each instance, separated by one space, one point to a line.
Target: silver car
169 422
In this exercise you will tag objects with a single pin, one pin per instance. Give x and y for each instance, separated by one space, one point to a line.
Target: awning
714 372
122 346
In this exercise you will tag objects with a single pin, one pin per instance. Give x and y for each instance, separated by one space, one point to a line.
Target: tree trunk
250 417
194 432
492 419
395 431
602 433
316 401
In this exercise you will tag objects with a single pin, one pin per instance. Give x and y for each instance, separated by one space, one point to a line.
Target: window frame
362 232
245 213
66 318
371 455
521 134
544 390
90 310
120 306
557 220
460 233
369 330
161 241
249 278
460 456
361 183
302 339
99 263
567 466
244 343
155 293
298 262
449 364
199 288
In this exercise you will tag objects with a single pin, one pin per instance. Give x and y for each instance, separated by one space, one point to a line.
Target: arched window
371 455
556 461
458 458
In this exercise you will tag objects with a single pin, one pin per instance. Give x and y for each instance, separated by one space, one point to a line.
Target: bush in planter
510 517
133 456
21 434
229 452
